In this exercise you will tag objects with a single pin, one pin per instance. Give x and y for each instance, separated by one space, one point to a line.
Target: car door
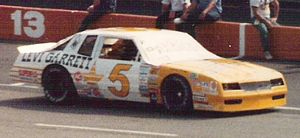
118 67
83 49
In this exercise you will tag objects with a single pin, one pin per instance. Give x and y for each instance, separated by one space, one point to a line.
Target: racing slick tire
177 94
58 86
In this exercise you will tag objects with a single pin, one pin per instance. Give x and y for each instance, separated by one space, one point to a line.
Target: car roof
129 32
151 43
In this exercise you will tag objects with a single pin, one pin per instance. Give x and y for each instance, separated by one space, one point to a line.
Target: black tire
177 94
58 86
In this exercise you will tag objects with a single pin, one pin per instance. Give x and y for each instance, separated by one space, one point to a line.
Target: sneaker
268 55
178 21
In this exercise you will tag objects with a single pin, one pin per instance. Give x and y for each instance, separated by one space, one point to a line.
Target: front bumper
244 102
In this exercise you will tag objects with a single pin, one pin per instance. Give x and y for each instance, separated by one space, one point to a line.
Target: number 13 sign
31 23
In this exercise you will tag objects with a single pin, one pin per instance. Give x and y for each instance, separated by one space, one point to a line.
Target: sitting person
95 11
261 16
200 11
117 50
123 50
130 50
171 9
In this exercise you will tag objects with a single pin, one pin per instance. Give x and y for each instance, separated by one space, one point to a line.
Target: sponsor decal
78 77
28 75
77 61
213 87
89 82
148 80
153 90
201 101
92 77
154 70
153 97
193 76
200 98
143 79
90 92
207 87
81 92
203 106
76 42
96 93
145 69
152 80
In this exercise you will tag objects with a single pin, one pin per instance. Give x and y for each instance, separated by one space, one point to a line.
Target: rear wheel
58 86
177 94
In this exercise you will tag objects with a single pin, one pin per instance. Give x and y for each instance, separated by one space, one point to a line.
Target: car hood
35 48
227 71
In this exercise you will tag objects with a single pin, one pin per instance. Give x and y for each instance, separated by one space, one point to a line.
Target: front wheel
58 86
177 94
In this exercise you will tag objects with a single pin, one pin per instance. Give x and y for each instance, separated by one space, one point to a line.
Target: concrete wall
228 39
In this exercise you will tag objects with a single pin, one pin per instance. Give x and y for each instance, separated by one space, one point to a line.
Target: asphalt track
25 113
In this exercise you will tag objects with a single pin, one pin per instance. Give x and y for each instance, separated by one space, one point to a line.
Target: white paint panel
242 41
105 68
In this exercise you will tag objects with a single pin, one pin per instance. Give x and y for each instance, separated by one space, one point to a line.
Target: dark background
234 10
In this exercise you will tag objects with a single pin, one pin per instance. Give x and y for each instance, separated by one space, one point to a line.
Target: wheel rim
56 88
175 94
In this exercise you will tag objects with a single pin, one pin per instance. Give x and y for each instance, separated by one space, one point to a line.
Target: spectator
200 11
171 9
261 15
97 10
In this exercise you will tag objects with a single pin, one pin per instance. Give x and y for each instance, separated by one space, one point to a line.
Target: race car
147 65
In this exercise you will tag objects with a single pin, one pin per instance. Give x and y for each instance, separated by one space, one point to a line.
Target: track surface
25 113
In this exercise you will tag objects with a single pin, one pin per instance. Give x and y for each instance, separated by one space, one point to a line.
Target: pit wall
226 39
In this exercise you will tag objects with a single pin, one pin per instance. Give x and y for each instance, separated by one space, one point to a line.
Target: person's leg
162 20
89 19
213 16
193 20
264 35
188 25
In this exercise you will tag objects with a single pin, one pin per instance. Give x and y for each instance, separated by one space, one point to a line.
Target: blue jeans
264 35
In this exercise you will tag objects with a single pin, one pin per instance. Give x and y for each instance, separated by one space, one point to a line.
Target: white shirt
263 7
176 5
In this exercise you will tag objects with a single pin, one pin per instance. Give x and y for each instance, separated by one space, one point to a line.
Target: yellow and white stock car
147 65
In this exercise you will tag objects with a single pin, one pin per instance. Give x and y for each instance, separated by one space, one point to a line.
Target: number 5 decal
116 75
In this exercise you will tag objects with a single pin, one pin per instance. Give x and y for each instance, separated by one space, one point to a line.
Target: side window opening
88 45
119 49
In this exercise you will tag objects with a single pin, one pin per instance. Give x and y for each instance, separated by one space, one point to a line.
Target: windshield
169 47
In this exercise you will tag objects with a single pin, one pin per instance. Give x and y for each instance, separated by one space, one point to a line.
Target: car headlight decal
208 87
231 86
277 82
213 87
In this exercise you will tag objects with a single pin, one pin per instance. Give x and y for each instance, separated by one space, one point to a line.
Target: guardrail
227 39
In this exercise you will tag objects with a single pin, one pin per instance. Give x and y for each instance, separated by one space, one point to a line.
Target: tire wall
228 39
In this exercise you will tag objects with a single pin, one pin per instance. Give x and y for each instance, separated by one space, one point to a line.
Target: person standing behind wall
261 16
200 11
97 10
171 9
